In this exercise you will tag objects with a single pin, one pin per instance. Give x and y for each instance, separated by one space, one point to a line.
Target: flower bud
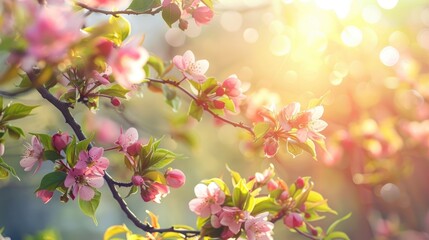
293 220
218 104
104 47
115 101
284 195
299 183
60 141
183 24
1 149
45 195
271 146
272 185
134 149
175 178
220 91
202 15
137 180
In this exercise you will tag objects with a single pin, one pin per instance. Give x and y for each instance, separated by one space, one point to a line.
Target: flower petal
96 153
86 193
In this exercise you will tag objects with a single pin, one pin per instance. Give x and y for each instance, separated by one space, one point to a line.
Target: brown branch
63 107
115 13
193 97
15 93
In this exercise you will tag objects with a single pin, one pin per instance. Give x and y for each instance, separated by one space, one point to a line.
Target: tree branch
63 107
115 13
177 85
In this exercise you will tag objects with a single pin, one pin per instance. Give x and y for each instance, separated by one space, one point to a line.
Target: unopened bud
60 141
115 101
137 180
300 183
218 104
175 178
293 220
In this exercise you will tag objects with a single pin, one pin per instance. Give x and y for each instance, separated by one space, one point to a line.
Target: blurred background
370 60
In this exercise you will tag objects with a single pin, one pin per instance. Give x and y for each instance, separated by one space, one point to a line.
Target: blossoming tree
51 50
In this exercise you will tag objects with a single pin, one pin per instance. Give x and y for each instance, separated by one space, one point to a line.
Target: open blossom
258 228
54 29
233 218
153 191
191 69
208 201
83 181
127 139
45 195
93 160
33 155
127 64
202 15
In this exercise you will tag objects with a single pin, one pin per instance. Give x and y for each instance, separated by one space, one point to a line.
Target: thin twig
177 85
15 93
115 13
63 107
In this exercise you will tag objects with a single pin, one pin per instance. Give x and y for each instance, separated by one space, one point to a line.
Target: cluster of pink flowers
194 9
87 174
290 121
210 202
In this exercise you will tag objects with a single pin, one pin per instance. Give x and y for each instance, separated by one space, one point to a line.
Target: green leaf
334 224
90 207
336 236
155 176
156 63
71 152
240 194
171 13
121 27
196 111
161 158
293 148
1 104
51 155
208 3
15 132
51 181
83 145
229 104
265 204
260 129
16 111
209 86
115 91
5 169
133 190
235 176
144 5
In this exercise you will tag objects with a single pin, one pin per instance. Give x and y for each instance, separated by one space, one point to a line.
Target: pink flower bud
175 178
104 47
272 185
220 91
284 195
135 148
60 140
154 191
1 149
115 101
271 146
45 195
137 180
293 220
183 24
218 104
202 15
299 183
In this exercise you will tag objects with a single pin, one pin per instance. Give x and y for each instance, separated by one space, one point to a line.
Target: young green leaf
6 169
121 28
51 181
334 224
90 207
16 111
143 6
14 132
260 129
196 111
115 91
71 152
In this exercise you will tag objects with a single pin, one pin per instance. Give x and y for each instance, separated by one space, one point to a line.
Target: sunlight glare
389 56
371 14
351 36
231 21
251 35
387 4
280 45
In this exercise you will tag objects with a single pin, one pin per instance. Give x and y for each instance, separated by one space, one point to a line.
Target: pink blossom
93 160
202 15
208 201
54 29
191 69
175 178
312 125
258 228
83 181
271 146
232 86
32 155
272 185
135 148
109 4
293 220
60 141
127 64
127 139
153 191
233 218
137 180
287 114
45 195
102 78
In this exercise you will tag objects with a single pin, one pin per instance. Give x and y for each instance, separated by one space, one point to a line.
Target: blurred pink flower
127 64
191 69
233 218
54 29
293 220
60 140
83 182
107 130
105 3
33 154
127 139
258 228
202 15
153 191
208 201
232 86
45 195
93 160
175 178
287 114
